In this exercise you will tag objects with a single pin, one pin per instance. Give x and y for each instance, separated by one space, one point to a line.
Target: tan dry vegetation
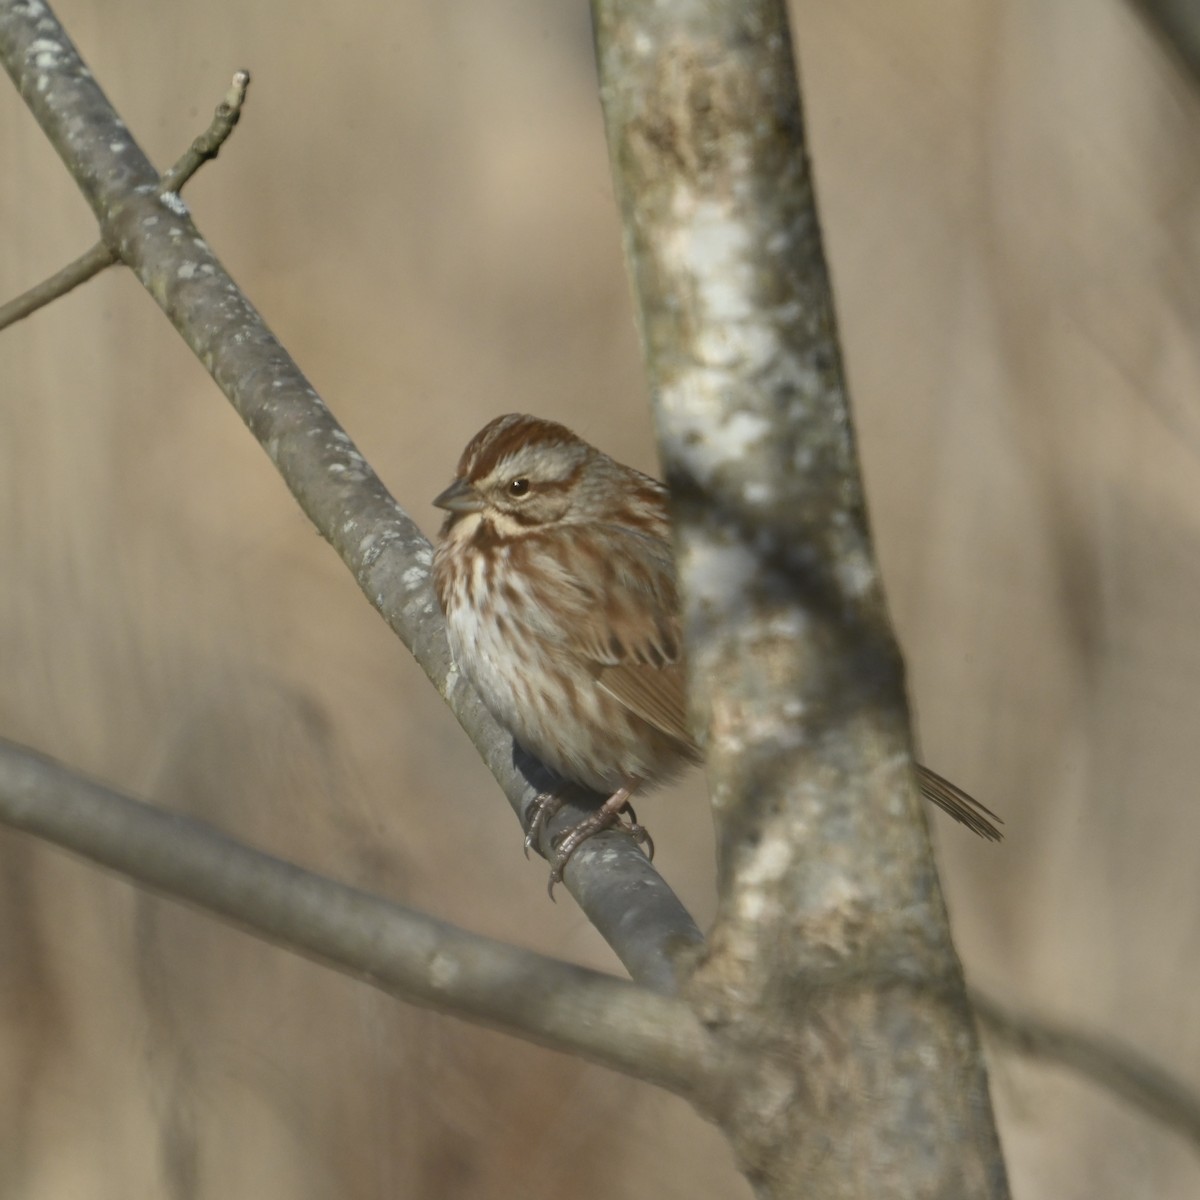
418 200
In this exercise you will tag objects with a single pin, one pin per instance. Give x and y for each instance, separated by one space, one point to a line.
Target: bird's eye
518 487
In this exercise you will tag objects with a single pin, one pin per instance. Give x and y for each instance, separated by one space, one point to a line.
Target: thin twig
87 265
208 145
100 256
1117 1068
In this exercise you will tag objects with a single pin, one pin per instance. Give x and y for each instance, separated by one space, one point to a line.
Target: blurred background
418 200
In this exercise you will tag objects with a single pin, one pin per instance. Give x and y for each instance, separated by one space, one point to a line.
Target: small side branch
208 145
85 267
1114 1067
89 264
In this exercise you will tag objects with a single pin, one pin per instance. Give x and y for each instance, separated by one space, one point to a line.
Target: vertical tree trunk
830 975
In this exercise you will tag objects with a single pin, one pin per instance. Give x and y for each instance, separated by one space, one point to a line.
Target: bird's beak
459 497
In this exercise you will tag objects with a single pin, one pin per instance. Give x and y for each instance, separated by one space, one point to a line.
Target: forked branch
204 149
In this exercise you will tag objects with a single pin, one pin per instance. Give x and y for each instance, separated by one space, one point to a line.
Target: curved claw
641 835
541 808
638 831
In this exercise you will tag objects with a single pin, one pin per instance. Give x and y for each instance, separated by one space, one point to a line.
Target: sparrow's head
523 472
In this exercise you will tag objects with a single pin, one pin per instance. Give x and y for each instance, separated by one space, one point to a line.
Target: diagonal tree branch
407 954
618 890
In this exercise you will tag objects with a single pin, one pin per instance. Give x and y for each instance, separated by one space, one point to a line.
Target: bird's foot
607 816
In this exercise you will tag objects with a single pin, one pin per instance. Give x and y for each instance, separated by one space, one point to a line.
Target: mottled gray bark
830 975
387 553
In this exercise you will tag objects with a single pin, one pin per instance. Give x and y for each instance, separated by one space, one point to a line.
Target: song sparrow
556 576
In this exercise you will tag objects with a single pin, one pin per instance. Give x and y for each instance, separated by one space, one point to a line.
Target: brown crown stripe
506 435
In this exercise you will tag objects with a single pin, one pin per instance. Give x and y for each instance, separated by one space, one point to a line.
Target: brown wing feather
958 804
631 632
630 629
656 694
